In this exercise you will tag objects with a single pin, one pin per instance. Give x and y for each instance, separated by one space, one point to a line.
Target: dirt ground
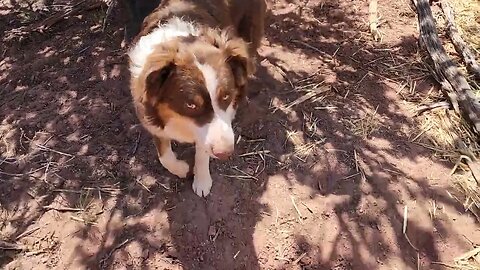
329 158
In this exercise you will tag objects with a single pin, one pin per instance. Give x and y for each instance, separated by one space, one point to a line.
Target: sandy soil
327 161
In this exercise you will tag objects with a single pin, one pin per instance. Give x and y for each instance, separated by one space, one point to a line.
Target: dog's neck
174 28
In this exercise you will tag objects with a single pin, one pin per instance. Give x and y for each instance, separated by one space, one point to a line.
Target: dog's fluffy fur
189 68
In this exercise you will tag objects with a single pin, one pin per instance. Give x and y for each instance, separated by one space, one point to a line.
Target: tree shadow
306 188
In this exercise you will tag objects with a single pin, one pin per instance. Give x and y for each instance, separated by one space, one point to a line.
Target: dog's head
197 83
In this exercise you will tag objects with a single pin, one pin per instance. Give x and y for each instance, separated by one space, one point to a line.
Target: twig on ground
373 20
44 148
437 105
405 218
255 153
12 174
26 233
109 255
246 175
308 208
312 47
238 176
405 221
445 264
46 171
11 246
300 217
299 258
143 185
236 254
351 176
63 209
110 7
473 165
135 146
82 220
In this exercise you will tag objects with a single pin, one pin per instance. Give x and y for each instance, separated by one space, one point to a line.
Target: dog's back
246 16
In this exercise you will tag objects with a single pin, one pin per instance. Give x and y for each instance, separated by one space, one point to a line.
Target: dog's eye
225 97
191 106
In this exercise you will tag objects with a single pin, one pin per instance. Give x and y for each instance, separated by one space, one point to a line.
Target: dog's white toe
202 186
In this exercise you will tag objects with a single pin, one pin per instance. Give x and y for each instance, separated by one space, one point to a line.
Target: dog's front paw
178 167
202 185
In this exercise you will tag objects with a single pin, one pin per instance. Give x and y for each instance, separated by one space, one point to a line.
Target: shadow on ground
325 166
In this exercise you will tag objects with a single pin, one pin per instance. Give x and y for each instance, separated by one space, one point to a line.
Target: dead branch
460 45
446 70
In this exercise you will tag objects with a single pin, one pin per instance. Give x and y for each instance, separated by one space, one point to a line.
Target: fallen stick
461 96
460 45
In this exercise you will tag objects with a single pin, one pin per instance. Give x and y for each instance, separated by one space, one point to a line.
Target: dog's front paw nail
179 167
202 186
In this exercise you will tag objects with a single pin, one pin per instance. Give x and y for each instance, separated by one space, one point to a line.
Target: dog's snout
222 155
220 139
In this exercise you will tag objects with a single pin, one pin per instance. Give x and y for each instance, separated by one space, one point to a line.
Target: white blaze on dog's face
218 136
193 88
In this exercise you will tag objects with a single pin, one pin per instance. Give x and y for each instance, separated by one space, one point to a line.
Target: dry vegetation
450 136
467 16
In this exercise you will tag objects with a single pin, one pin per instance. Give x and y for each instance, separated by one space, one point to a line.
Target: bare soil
317 183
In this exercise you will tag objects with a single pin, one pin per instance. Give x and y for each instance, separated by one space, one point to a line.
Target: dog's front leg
202 181
168 158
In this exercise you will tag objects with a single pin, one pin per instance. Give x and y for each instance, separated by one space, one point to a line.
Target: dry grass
450 138
365 125
312 89
467 185
467 16
447 134
470 260
302 149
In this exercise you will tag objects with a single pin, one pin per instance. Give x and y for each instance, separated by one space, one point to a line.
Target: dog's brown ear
158 69
156 79
236 53
240 61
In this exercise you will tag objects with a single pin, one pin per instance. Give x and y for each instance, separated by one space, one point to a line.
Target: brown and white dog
189 67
